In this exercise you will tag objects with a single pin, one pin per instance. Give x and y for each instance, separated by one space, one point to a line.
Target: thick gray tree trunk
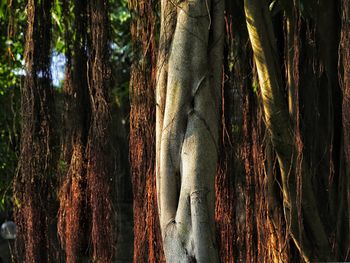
188 90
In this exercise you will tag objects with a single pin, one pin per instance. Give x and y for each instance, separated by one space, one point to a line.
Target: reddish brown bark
225 179
147 239
35 182
100 173
72 214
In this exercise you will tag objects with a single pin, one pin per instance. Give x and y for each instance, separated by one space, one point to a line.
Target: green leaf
58 8
60 45
57 20
3 7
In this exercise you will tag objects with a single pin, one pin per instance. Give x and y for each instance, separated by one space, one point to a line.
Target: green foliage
12 23
3 7
12 20
57 15
121 50
12 33
60 24
9 144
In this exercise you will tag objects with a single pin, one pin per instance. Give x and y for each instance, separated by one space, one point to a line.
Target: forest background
77 94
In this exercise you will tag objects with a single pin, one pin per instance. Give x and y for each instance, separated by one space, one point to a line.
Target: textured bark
187 96
72 214
344 61
147 238
229 181
255 230
224 180
100 173
34 184
279 125
344 77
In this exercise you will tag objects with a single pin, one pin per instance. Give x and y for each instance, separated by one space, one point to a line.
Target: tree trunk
72 214
228 169
230 179
344 74
187 96
147 238
100 173
301 214
34 184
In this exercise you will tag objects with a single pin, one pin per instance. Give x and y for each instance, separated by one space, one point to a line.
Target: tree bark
187 96
280 129
34 184
100 173
344 77
147 238
72 215
225 201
